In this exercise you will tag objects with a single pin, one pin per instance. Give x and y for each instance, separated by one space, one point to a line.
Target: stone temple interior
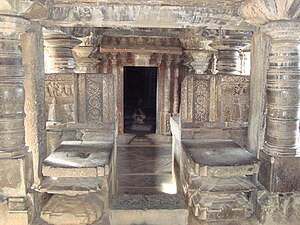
175 112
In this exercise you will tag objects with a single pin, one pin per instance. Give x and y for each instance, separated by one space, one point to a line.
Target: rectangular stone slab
71 186
222 185
78 159
218 158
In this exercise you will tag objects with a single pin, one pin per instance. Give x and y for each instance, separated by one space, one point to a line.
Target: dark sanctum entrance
140 99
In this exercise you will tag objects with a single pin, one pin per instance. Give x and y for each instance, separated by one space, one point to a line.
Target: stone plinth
214 179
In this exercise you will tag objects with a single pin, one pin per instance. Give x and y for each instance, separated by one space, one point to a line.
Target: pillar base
279 174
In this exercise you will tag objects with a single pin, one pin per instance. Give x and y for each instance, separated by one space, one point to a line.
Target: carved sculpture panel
234 98
96 98
195 99
60 89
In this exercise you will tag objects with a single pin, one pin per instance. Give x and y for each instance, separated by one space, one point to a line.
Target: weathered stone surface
274 208
168 16
71 186
58 52
279 174
78 159
218 158
222 207
161 209
81 209
15 176
259 12
35 124
256 125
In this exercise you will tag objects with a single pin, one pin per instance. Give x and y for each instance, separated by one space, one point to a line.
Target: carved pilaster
176 85
104 60
58 52
168 83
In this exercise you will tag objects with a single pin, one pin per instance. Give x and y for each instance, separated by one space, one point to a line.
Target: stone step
217 158
79 159
158 209
66 210
71 185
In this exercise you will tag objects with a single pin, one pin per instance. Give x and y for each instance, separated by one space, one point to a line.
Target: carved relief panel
96 98
234 98
195 99
59 90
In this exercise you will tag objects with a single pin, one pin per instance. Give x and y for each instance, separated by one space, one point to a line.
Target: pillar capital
58 52
282 30
260 12
87 59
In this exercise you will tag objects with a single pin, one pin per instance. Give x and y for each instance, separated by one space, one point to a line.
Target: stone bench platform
79 159
215 179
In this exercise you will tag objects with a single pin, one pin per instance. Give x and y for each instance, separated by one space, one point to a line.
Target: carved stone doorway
140 99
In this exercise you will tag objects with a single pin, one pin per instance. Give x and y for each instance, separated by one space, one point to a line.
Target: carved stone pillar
168 84
86 58
114 64
176 85
58 52
15 160
59 84
104 61
229 46
280 170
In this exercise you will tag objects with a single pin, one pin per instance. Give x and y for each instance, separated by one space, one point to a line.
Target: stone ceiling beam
137 15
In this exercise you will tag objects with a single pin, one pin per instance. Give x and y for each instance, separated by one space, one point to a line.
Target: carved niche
195 99
234 98
60 88
96 98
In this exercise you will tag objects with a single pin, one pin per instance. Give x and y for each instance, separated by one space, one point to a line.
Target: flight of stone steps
76 180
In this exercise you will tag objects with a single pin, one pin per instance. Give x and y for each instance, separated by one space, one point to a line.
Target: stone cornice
259 12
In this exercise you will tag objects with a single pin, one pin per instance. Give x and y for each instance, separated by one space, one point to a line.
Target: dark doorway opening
140 84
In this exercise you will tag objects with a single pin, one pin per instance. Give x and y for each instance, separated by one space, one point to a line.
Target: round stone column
58 52
283 89
280 167
229 47
12 134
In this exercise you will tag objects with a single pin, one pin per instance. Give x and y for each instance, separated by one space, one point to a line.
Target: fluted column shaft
12 96
283 89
